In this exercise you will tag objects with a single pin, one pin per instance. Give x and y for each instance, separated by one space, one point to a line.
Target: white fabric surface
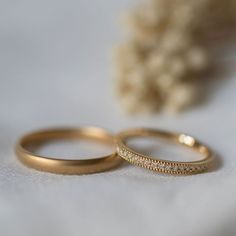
54 58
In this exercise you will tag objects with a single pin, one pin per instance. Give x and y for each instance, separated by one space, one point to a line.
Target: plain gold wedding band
63 166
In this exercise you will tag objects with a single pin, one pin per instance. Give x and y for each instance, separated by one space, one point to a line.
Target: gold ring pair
28 157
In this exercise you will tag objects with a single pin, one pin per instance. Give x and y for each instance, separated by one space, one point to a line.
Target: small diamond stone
187 168
147 162
130 156
142 160
139 161
175 168
162 166
155 165
168 167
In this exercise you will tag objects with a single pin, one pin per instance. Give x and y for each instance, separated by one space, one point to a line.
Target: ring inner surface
70 144
166 146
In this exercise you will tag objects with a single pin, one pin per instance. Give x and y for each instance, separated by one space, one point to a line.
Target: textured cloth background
54 62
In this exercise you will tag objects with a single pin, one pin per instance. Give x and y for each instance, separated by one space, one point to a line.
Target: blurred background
56 70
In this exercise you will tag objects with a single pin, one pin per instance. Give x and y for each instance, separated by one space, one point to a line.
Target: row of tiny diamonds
161 166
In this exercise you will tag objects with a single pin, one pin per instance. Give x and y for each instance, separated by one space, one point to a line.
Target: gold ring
62 166
160 165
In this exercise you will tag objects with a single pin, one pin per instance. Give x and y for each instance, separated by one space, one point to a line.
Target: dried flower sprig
159 67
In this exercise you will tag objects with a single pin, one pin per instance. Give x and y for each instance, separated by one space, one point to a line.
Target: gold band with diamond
160 165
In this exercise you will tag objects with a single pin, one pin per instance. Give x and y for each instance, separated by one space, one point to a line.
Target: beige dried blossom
159 67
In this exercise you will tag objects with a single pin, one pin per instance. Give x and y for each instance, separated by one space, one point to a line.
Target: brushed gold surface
63 166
